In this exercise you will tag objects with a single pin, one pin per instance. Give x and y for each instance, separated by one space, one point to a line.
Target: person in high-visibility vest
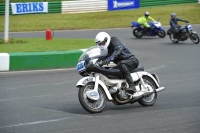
144 21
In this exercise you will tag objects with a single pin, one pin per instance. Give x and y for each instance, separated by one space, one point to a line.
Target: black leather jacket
117 51
174 24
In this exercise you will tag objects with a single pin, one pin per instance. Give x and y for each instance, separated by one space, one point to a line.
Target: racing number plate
81 66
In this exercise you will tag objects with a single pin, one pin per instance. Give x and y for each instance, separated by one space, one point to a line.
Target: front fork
96 82
94 94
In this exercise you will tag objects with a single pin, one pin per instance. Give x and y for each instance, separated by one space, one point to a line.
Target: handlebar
100 63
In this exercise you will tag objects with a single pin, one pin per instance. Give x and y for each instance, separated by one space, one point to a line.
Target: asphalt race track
47 101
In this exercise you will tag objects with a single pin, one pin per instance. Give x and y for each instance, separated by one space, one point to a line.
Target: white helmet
146 14
102 39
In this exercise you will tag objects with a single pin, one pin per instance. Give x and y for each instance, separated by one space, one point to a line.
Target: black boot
131 88
128 78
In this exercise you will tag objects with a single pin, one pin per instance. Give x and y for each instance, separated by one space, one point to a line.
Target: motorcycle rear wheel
137 33
194 38
161 33
92 106
150 100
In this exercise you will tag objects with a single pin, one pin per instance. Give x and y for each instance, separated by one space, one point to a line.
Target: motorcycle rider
174 25
144 21
120 55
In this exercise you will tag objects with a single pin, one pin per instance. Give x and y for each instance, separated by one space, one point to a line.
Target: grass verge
40 45
97 20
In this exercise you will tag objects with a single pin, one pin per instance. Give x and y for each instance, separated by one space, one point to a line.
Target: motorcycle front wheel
137 33
194 38
150 100
92 106
161 33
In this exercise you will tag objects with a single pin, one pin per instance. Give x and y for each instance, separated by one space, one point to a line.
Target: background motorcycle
102 84
156 30
185 32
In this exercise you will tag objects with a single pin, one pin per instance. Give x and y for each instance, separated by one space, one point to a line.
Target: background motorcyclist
120 55
174 25
144 21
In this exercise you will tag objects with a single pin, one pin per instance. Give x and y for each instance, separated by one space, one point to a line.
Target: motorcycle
101 84
185 32
156 29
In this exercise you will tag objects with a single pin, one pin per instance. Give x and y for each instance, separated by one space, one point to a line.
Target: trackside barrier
39 60
82 6
146 3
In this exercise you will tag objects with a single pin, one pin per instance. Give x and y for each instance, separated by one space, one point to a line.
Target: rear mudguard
143 73
134 24
85 80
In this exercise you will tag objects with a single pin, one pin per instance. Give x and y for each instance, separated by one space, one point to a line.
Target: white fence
82 6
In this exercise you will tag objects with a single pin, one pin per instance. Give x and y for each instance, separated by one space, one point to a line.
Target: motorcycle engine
113 89
183 35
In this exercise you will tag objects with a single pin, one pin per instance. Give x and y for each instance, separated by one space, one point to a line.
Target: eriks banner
31 7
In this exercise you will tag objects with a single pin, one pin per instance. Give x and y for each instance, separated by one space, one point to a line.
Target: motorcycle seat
137 69
115 73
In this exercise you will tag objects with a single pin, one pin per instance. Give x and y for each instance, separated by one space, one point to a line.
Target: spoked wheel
172 39
161 33
194 38
92 106
137 33
150 100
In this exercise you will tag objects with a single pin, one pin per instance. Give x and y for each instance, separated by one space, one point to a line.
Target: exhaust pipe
145 95
160 89
148 94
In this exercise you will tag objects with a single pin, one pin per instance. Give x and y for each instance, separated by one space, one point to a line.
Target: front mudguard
85 80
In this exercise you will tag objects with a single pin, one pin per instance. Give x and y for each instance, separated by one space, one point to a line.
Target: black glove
106 61
186 21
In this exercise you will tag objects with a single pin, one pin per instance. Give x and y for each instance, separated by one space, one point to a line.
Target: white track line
155 68
34 123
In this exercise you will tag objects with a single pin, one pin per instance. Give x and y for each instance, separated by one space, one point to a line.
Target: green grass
40 44
97 20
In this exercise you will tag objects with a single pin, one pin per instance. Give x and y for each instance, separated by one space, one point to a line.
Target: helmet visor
100 43
173 16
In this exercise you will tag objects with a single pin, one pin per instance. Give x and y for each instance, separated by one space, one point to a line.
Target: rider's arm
150 18
118 47
179 19
145 23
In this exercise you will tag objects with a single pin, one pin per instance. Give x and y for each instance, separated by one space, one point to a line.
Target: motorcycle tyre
162 35
193 40
135 34
142 101
170 36
82 101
